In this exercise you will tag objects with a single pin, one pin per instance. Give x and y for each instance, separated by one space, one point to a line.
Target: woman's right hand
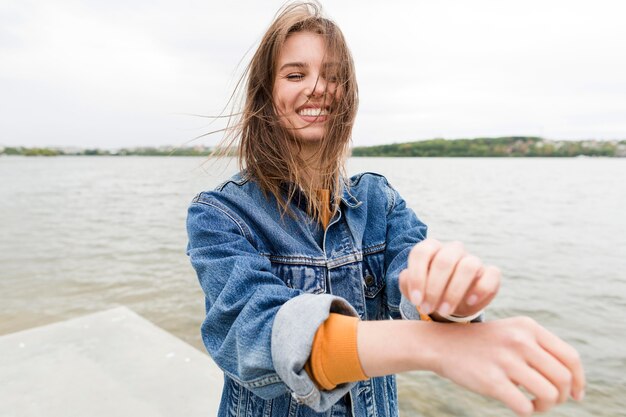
500 357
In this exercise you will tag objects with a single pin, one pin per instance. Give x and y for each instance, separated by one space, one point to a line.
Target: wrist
443 343
457 318
427 341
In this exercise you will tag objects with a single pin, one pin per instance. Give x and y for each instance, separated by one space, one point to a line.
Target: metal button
369 280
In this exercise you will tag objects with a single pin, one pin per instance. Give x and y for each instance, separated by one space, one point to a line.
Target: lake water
80 234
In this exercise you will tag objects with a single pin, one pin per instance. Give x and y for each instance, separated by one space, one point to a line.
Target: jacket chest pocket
373 274
308 278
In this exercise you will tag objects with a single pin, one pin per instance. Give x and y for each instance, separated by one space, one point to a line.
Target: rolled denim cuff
293 332
408 310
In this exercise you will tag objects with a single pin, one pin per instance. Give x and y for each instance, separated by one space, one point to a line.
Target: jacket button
369 280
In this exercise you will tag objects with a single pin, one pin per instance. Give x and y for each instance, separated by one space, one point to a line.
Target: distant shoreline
512 146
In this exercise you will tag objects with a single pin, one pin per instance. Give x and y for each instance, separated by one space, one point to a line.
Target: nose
318 87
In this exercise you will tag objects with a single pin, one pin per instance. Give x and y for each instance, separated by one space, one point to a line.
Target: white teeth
313 112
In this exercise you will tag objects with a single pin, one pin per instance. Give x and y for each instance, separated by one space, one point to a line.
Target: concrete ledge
112 363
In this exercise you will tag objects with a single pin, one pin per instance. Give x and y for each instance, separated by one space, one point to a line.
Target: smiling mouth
313 112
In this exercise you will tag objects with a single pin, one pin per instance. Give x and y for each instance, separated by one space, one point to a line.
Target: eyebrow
294 64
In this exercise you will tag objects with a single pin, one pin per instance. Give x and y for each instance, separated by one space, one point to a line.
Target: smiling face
305 87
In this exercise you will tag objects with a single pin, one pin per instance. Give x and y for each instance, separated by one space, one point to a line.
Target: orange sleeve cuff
334 357
423 317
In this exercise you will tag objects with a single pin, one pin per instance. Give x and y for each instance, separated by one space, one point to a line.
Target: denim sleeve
257 329
404 230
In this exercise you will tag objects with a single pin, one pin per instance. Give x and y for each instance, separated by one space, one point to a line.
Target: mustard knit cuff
334 356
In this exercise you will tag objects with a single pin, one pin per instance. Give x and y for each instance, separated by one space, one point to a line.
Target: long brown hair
268 152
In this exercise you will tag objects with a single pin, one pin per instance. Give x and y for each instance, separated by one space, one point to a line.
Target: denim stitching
256 383
374 249
331 263
391 195
239 182
295 260
242 226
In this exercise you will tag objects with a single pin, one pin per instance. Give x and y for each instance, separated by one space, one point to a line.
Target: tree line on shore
512 146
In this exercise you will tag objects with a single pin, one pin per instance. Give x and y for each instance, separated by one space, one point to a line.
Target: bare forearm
493 358
393 346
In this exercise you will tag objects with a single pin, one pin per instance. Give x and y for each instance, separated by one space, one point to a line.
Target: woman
302 267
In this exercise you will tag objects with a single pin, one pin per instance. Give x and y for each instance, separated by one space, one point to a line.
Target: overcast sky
125 73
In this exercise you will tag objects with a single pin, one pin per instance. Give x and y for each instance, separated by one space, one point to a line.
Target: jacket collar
346 196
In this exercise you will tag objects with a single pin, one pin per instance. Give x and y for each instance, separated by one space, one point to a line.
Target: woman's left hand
444 278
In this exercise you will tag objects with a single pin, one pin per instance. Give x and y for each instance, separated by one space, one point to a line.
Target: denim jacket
271 280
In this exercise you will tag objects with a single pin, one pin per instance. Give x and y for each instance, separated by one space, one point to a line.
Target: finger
418 264
440 271
403 283
505 391
545 394
463 278
568 356
553 370
484 289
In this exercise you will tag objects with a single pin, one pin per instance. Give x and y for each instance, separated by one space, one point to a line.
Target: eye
331 77
295 76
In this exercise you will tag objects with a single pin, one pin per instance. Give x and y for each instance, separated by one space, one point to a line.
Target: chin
311 136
